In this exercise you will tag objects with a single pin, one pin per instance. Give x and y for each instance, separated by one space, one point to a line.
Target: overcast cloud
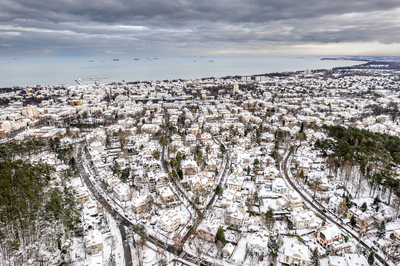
185 27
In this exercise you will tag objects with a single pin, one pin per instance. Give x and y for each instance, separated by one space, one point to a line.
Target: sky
199 27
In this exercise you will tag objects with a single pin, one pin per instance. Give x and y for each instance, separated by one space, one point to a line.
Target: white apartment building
303 219
169 221
295 255
235 182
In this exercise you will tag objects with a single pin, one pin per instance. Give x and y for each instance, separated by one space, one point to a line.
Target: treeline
11 150
361 146
37 221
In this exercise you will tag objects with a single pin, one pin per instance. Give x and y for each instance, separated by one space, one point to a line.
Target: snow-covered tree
381 230
314 260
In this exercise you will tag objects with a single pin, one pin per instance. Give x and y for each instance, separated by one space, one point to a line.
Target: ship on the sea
136 59
116 59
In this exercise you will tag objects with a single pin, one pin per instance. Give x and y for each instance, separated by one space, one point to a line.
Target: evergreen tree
301 174
108 142
290 224
218 190
314 260
371 258
222 149
220 235
353 220
125 174
317 143
269 214
381 230
273 244
376 200
162 262
180 173
116 169
328 250
364 207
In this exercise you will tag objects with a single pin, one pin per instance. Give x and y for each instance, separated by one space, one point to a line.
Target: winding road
284 168
152 239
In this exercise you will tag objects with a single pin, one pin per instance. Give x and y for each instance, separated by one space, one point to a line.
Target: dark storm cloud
60 26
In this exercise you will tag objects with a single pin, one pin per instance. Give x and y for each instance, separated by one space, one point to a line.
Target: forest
363 156
37 221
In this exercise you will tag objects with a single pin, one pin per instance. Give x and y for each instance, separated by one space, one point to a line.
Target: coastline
53 71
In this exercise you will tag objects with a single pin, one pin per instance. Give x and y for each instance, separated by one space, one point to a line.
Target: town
299 168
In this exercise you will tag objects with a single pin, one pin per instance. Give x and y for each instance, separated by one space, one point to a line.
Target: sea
54 70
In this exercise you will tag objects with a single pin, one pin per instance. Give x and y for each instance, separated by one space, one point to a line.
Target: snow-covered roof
330 231
297 250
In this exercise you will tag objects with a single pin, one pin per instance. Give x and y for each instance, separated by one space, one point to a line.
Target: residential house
122 192
302 219
295 255
189 167
279 186
94 242
294 200
236 214
362 218
228 250
235 182
166 195
139 203
156 180
328 235
259 243
169 220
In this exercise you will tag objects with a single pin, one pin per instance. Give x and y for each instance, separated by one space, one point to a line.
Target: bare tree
202 244
250 201
139 252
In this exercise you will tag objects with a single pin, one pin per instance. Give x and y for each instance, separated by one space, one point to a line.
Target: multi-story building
157 180
236 214
303 219
235 182
122 192
166 195
328 234
295 255
169 221
294 200
139 204
189 167
259 243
